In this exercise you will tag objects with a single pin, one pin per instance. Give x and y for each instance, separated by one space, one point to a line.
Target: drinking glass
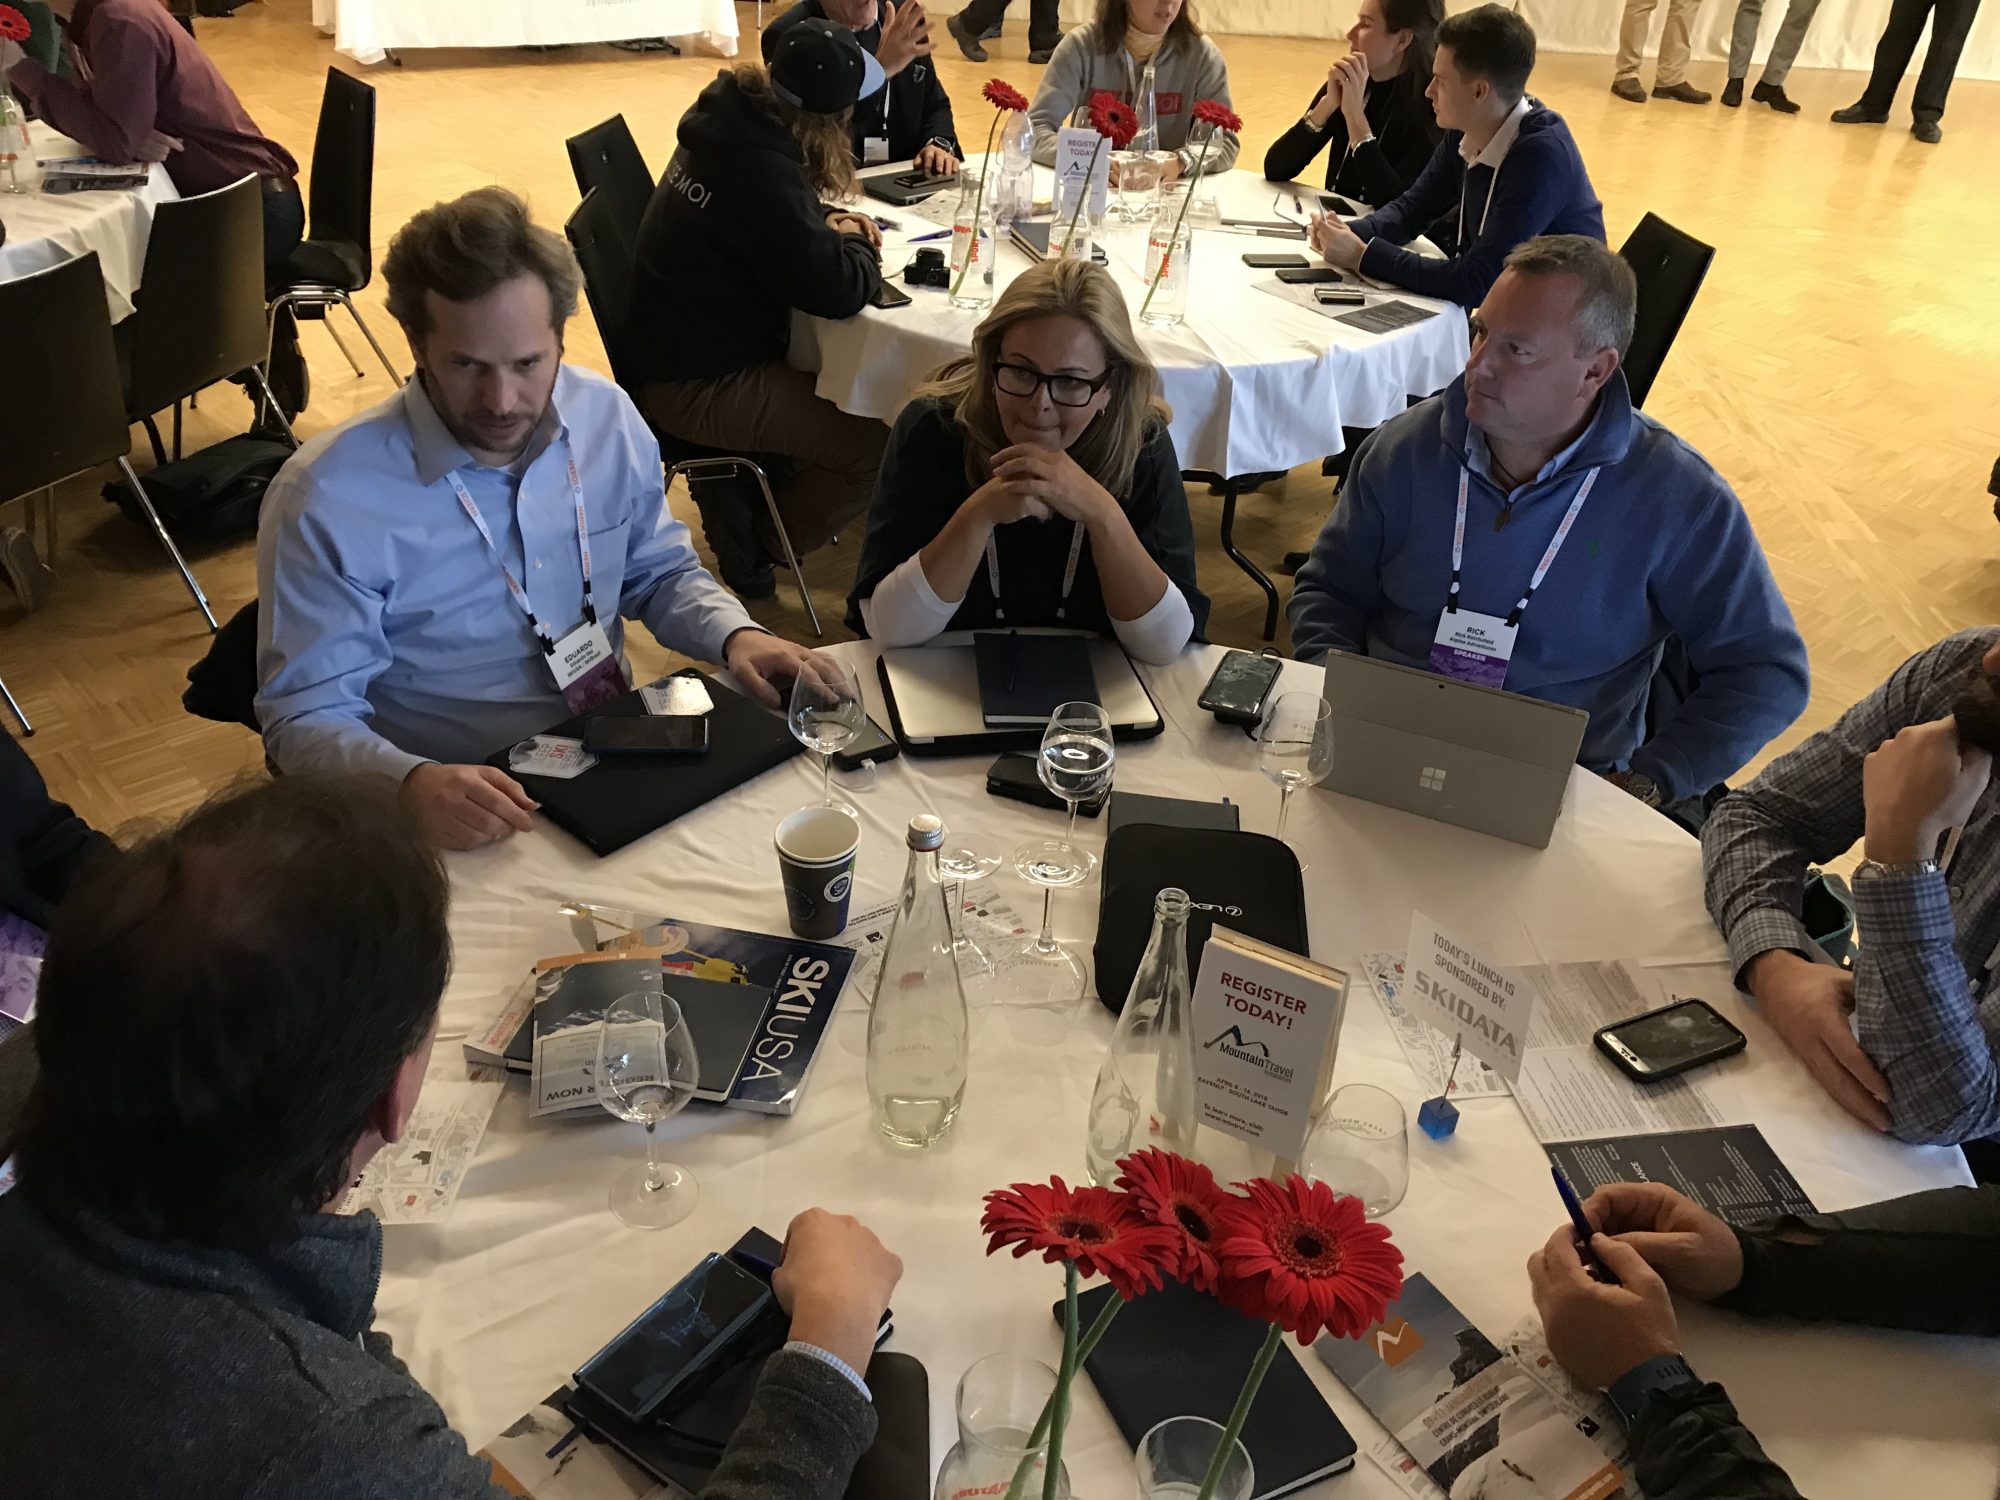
646 1073
827 712
1174 1458
1139 175
966 862
1295 747
1076 761
1361 1147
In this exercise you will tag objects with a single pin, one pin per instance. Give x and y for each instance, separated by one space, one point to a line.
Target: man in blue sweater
1588 538
1506 170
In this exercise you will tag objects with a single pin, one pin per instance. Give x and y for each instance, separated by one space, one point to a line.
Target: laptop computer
1477 757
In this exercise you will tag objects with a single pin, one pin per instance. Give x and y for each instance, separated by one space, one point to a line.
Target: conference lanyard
1548 557
514 587
1069 572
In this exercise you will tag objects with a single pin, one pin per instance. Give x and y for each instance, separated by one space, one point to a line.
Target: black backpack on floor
212 495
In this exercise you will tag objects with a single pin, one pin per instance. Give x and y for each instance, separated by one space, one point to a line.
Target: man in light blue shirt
416 564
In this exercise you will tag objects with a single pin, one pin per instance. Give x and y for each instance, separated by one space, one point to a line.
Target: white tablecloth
367 29
532 1273
1843 34
1256 384
46 229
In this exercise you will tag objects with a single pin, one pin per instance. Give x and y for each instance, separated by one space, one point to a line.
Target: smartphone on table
679 1344
1240 687
1308 276
1340 296
647 734
1661 1043
869 745
1273 262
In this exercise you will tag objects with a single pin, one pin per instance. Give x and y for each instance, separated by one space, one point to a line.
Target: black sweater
917 109
922 482
42 843
1406 132
733 240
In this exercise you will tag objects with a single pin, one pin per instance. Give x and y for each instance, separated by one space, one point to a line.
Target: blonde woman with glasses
1034 483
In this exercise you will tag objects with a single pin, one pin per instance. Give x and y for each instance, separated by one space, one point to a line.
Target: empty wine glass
1077 758
826 713
960 865
646 1072
1295 747
1361 1148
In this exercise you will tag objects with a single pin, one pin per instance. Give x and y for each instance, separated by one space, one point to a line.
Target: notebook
1025 678
1147 1369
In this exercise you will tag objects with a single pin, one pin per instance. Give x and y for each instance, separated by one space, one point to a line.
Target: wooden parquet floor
1841 366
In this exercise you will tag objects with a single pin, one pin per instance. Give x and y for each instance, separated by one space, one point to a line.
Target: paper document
1428 1049
1732 1172
416 1180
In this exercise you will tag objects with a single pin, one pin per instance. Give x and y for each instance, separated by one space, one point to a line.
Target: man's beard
1976 711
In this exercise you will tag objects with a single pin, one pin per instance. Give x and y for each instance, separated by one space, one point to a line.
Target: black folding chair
607 282
1670 266
606 159
336 257
65 412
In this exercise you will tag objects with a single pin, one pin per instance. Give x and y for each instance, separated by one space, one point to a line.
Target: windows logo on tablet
1431 778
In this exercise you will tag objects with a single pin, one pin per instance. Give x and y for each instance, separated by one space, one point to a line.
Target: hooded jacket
911 110
733 240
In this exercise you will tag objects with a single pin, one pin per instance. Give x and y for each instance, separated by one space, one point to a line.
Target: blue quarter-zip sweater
1661 548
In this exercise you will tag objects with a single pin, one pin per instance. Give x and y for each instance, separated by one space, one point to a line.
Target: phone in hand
647 734
1266 261
679 1344
1240 686
1668 1041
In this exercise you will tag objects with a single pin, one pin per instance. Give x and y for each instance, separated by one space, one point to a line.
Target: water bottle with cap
918 1028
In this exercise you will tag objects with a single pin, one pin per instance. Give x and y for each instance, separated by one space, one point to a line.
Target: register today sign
1465 995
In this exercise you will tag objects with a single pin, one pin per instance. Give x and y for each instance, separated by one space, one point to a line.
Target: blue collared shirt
386 633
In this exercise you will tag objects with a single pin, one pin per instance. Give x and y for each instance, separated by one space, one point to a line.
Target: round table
493 1307
46 229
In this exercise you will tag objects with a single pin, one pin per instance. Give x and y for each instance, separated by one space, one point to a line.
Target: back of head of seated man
235 1016
449 572
1591 538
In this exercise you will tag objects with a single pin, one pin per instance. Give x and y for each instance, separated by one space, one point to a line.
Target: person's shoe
968 43
1682 92
1860 114
1928 131
1732 93
1774 95
1040 56
1629 89
31 577
992 31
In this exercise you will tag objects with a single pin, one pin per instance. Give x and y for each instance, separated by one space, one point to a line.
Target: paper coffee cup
816 847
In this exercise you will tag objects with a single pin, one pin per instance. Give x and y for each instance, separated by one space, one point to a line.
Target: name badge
874 150
586 669
1473 647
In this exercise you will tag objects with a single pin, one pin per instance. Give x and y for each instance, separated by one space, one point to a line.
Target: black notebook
1177 1353
1025 678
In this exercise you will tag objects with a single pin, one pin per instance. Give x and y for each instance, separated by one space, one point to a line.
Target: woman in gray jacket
1112 52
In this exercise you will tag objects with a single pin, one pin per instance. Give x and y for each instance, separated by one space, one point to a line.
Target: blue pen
882 223
942 234
1597 1269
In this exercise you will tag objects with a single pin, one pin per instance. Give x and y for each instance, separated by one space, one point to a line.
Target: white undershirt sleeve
905 610
1158 635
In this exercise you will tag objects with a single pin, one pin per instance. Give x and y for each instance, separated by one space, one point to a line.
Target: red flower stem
1059 1422
1089 181
977 193
1167 256
1084 1348
1259 1367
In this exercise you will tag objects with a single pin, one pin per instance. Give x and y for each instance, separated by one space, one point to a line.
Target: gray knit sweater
1183 76
130 1367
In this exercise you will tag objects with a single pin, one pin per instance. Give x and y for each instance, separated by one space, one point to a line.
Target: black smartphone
679 1343
1269 262
1242 682
888 294
870 744
647 734
1334 203
1340 296
1018 776
1308 276
1669 1040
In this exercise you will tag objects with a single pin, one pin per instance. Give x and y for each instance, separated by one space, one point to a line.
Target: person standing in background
1372 116
1778 66
1950 26
982 18
1670 77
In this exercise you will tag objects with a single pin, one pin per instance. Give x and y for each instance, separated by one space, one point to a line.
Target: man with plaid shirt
1903 770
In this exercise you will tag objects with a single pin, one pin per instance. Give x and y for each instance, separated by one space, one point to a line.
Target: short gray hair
1608 292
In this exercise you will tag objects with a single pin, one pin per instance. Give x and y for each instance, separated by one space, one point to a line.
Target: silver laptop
1484 759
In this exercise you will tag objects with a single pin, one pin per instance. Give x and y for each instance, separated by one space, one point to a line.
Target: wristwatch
1642 786
1875 869
1632 1390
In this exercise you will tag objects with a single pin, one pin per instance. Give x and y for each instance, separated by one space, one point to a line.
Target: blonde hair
1109 448
824 139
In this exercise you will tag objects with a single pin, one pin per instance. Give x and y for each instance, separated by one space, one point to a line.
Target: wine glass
1295 747
967 862
826 713
1361 1148
1076 761
646 1072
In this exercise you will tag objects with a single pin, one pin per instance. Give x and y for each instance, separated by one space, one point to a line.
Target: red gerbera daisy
1295 1255
13 25
1003 95
1183 1196
1214 112
1101 1231
1113 119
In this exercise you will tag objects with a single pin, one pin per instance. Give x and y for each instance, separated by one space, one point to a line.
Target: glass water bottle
1169 247
917 1030
1145 1089
972 248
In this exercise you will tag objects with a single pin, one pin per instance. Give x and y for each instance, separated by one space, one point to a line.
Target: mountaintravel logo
1233 1044
1235 1034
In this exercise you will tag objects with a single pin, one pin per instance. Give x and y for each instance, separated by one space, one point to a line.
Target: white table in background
531 1273
368 30
46 229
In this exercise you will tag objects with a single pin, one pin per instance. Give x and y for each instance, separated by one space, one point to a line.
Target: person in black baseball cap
745 227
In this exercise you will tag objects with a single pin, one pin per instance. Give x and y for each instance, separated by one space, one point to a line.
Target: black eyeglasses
1064 390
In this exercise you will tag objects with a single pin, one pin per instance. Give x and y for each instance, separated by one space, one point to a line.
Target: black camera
928 269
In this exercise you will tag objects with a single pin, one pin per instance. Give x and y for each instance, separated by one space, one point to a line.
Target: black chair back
1670 266
605 257
606 159
200 314
63 415
343 168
